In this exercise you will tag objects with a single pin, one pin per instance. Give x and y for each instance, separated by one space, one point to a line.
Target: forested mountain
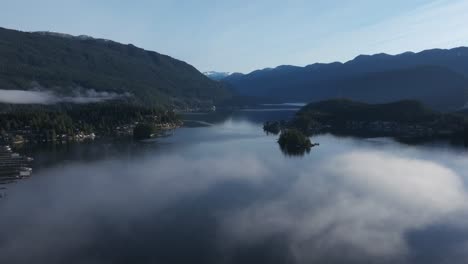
438 78
62 63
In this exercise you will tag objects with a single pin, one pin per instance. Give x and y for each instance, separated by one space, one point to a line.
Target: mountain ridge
314 81
381 54
61 63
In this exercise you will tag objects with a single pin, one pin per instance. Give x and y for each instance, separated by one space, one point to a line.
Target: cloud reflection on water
345 197
360 204
59 210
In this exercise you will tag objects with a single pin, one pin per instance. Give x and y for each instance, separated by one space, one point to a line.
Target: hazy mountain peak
214 75
69 36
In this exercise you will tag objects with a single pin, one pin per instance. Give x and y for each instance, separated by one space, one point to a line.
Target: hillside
437 87
406 119
379 78
344 109
62 63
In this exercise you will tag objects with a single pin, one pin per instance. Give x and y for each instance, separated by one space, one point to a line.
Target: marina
13 167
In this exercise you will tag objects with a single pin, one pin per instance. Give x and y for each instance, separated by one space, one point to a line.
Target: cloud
79 96
25 97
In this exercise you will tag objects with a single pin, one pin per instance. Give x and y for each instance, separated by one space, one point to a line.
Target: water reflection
225 194
294 152
359 203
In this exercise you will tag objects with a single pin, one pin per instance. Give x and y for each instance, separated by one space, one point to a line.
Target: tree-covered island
294 142
403 120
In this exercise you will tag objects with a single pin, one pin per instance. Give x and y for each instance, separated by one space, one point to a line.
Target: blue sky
246 35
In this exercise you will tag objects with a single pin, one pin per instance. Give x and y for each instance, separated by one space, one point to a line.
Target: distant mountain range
217 76
438 78
68 65
63 63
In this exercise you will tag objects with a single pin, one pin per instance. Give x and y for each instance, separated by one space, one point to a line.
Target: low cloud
45 97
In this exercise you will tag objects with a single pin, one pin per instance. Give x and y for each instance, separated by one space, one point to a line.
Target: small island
407 121
294 142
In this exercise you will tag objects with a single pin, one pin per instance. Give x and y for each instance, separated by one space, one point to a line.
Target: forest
104 119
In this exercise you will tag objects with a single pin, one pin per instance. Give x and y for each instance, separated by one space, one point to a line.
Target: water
225 193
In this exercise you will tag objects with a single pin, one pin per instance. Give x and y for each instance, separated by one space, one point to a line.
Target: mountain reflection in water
226 194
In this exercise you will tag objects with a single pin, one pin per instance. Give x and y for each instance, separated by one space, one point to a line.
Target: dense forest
402 119
64 63
407 111
109 119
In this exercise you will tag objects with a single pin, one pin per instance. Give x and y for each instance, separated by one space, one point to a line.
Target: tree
272 127
143 131
294 142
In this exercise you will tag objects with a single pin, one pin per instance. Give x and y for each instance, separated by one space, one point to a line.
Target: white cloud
80 96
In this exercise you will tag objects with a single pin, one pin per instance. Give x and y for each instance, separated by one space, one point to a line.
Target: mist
46 97
354 200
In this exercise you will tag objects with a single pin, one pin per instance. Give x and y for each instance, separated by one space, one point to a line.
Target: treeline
405 111
106 117
405 120
92 118
39 124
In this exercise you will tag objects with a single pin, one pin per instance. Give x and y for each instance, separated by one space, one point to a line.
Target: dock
13 167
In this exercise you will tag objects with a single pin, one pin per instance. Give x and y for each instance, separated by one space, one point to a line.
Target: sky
245 35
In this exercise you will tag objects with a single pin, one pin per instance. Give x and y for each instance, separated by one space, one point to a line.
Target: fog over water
227 194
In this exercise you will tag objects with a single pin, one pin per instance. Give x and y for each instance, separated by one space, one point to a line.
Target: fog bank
46 97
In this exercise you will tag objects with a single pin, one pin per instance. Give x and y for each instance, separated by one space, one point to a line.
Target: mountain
217 76
63 63
436 77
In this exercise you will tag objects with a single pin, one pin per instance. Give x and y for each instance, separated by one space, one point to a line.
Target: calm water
225 193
